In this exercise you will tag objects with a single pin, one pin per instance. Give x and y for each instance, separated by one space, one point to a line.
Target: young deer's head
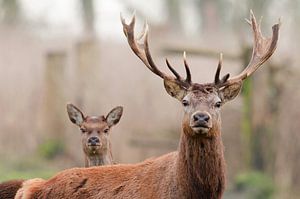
202 102
95 129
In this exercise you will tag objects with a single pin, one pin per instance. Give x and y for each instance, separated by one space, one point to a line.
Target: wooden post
54 97
87 52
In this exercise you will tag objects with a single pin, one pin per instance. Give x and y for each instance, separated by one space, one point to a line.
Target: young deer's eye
83 130
218 104
185 103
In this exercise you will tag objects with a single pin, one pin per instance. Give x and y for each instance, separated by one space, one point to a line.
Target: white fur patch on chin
93 150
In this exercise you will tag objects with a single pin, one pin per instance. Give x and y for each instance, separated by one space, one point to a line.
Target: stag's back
149 179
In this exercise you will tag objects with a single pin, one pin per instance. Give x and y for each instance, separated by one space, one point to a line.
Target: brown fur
9 189
100 156
196 170
95 127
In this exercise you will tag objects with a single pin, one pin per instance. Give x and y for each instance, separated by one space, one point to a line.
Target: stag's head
95 129
202 102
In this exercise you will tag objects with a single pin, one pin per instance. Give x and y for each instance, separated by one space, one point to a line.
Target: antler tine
217 75
173 70
144 31
263 48
188 78
150 60
141 50
219 81
185 82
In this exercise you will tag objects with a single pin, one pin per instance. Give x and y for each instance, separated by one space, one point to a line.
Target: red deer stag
196 170
95 142
95 134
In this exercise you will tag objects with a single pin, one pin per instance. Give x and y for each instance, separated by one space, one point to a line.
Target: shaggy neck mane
100 159
201 167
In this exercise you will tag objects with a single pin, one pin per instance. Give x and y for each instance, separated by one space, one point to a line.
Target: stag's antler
263 48
143 52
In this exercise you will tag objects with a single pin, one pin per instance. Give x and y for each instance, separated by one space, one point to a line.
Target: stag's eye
185 103
106 130
218 104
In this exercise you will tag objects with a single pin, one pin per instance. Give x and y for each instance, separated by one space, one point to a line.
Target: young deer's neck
201 167
99 159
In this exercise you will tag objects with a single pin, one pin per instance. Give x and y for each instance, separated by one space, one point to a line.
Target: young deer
196 170
95 134
95 142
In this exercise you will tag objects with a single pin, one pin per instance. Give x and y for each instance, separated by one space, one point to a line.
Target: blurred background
53 52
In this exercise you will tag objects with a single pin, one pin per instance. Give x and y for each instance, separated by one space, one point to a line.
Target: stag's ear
75 115
174 89
114 116
231 91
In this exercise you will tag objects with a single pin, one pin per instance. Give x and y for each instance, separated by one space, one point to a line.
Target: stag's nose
93 141
200 119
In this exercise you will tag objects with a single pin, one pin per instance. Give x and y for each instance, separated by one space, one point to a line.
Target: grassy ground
7 174
25 169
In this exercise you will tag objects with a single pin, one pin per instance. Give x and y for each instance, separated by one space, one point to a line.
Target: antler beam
263 48
143 52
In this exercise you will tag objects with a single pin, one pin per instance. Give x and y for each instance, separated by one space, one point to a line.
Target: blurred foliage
88 15
32 167
256 185
9 174
246 122
51 148
10 11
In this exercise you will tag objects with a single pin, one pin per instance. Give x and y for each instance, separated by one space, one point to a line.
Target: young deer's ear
114 116
174 89
230 92
75 115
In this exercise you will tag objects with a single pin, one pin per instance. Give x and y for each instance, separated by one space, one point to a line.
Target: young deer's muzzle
94 141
